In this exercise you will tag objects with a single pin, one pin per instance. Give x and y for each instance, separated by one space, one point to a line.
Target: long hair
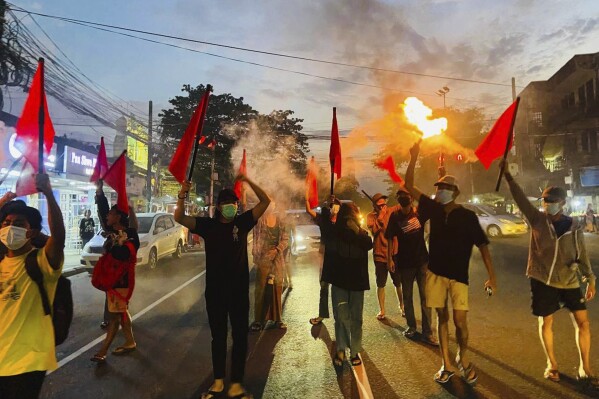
347 211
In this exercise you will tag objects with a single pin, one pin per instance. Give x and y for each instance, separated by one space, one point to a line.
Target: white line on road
362 382
101 338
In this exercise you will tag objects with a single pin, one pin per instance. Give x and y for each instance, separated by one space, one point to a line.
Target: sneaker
410 332
103 325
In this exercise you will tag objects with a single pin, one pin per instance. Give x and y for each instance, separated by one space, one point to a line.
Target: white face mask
552 208
444 196
13 237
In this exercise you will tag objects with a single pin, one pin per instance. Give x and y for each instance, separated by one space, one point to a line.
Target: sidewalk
72 263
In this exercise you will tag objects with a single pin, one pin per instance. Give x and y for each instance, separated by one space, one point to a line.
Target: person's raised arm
180 216
9 196
409 185
133 222
102 204
486 255
54 247
526 207
263 198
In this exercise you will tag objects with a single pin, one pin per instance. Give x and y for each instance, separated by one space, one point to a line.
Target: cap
377 197
554 193
402 191
226 194
449 180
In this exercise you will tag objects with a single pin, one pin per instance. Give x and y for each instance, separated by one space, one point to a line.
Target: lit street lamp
442 92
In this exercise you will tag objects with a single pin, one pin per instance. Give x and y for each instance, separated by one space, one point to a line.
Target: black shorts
381 272
547 300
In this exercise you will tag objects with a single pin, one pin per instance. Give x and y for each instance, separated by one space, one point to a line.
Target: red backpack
108 271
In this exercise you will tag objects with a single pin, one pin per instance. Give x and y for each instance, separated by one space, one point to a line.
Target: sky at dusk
479 40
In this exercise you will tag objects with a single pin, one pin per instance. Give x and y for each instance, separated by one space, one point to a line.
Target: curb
75 270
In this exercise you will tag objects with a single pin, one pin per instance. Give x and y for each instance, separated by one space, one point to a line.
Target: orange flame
419 115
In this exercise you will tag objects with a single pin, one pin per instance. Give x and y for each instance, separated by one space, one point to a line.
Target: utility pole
149 165
211 199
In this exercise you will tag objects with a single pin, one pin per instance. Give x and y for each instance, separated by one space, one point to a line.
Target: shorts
439 288
381 272
547 300
116 304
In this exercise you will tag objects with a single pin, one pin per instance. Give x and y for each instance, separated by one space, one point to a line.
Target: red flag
335 149
26 182
28 125
495 143
242 170
180 162
388 165
312 184
101 166
116 177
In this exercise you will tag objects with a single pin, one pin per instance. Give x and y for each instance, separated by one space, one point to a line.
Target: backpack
62 307
108 270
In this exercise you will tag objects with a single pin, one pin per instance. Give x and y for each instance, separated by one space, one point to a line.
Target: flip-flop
256 326
356 361
98 358
316 321
380 316
443 376
468 373
121 350
338 361
551 375
213 394
243 395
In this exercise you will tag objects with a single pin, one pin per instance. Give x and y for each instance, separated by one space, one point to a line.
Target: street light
442 92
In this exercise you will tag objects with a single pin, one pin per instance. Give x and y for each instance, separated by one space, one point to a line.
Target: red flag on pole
335 149
494 144
180 162
101 166
312 184
26 182
116 177
238 188
388 165
34 127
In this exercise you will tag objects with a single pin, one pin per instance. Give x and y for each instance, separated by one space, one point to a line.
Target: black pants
221 308
22 386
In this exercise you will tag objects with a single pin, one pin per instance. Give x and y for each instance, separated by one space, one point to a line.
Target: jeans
408 275
22 386
348 308
323 305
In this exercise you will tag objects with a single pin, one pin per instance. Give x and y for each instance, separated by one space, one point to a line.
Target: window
168 221
537 118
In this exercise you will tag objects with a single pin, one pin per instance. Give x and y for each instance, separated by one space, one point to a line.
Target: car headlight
143 244
299 237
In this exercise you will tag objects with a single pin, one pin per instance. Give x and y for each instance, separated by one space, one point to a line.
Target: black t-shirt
562 225
226 251
86 228
451 238
409 230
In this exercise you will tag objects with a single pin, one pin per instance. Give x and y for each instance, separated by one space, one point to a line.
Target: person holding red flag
227 279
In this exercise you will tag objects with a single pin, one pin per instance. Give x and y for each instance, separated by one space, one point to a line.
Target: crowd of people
557 264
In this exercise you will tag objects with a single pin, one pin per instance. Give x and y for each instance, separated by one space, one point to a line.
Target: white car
159 236
305 234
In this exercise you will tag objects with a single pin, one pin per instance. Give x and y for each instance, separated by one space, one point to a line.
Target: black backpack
62 308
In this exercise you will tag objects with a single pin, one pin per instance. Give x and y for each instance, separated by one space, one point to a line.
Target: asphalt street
173 356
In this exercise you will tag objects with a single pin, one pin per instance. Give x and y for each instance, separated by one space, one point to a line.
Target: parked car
159 236
498 223
305 234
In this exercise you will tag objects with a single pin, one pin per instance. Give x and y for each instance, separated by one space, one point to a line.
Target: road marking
101 338
362 381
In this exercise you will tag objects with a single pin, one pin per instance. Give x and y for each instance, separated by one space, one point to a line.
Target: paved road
173 360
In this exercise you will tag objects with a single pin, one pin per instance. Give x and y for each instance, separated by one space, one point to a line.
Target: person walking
271 239
590 219
328 214
557 253
406 227
346 269
377 221
27 345
454 230
87 228
120 250
227 279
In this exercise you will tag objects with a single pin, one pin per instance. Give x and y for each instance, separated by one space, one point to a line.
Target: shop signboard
79 164
589 176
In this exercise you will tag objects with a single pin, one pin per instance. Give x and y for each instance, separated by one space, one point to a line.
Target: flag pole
198 134
333 161
510 138
41 118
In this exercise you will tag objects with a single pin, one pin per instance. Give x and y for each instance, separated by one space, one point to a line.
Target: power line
329 62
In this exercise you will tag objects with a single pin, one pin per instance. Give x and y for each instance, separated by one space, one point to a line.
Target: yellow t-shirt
26 334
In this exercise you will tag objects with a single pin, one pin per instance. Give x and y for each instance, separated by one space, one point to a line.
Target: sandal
316 321
281 325
256 326
121 350
212 394
468 373
380 316
98 358
338 360
443 376
551 375
356 361
243 395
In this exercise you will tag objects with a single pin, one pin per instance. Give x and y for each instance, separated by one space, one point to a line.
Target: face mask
229 210
335 209
444 196
553 208
13 237
404 201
